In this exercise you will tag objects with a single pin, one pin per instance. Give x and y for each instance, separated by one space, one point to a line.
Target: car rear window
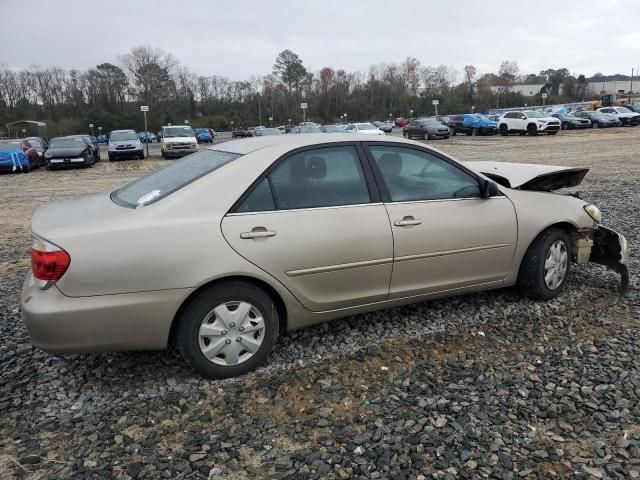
163 182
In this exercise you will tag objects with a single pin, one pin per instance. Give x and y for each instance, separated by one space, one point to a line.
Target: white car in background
177 141
528 122
626 116
366 128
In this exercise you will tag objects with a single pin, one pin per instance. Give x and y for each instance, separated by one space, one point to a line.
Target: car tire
550 252
566 126
532 130
405 134
475 132
162 154
426 136
595 125
141 156
221 297
504 130
48 165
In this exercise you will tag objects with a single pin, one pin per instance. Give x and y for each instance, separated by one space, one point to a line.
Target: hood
65 152
179 140
125 142
529 176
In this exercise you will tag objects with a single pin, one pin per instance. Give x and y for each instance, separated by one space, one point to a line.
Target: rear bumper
132 321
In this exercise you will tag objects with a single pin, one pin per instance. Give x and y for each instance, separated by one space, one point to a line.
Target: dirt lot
480 386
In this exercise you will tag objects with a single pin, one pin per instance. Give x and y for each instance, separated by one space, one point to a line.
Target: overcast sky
238 39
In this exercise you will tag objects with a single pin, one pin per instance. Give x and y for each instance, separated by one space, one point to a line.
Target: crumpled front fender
611 250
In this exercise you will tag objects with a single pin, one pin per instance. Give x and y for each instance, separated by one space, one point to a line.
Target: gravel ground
487 385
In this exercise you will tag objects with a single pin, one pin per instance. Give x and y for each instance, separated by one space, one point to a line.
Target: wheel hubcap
555 265
231 333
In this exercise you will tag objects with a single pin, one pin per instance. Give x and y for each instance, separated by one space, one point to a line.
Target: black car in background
69 151
91 141
426 128
569 121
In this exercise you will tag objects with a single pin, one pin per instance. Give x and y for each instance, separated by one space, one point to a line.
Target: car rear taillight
48 261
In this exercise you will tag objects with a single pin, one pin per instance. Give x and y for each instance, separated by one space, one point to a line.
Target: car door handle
258 232
407 222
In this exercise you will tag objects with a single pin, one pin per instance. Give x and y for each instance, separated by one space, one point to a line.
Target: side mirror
488 189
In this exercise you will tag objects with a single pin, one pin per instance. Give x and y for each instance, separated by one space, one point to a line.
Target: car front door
315 223
446 237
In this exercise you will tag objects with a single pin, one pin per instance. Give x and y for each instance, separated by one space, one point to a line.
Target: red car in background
21 145
239 132
401 122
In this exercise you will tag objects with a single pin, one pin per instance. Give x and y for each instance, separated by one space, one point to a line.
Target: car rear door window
414 175
322 177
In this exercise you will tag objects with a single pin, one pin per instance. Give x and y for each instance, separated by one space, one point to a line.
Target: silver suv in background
124 144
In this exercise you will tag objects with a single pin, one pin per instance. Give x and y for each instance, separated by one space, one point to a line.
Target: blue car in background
102 138
472 124
203 135
147 137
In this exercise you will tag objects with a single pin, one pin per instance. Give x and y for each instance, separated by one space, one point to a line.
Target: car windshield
309 130
430 121
532 114
333 129
483 117
267 131
170 132
123 136
160 183
67 143
365 126
9 146
624 110
202 130
35 143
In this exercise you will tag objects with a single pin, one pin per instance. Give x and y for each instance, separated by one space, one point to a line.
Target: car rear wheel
426 135
227 329
545 267
504 130
566 126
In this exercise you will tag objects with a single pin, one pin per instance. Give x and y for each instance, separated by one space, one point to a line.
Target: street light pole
91 127
145 109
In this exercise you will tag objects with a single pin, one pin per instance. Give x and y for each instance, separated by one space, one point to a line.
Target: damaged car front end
597 244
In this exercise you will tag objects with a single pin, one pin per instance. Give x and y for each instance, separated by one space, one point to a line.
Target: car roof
248 145
124 130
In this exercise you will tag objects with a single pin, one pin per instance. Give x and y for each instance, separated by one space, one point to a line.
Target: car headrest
316 167
390 164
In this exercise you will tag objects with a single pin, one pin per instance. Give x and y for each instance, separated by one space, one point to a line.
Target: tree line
110 95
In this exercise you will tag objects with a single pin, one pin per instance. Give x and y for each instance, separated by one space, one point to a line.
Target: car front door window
415 175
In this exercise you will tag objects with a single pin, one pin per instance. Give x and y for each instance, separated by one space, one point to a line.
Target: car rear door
315 222
445 236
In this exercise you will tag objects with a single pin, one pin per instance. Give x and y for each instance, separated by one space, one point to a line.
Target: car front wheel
545 267
227 329
504 130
